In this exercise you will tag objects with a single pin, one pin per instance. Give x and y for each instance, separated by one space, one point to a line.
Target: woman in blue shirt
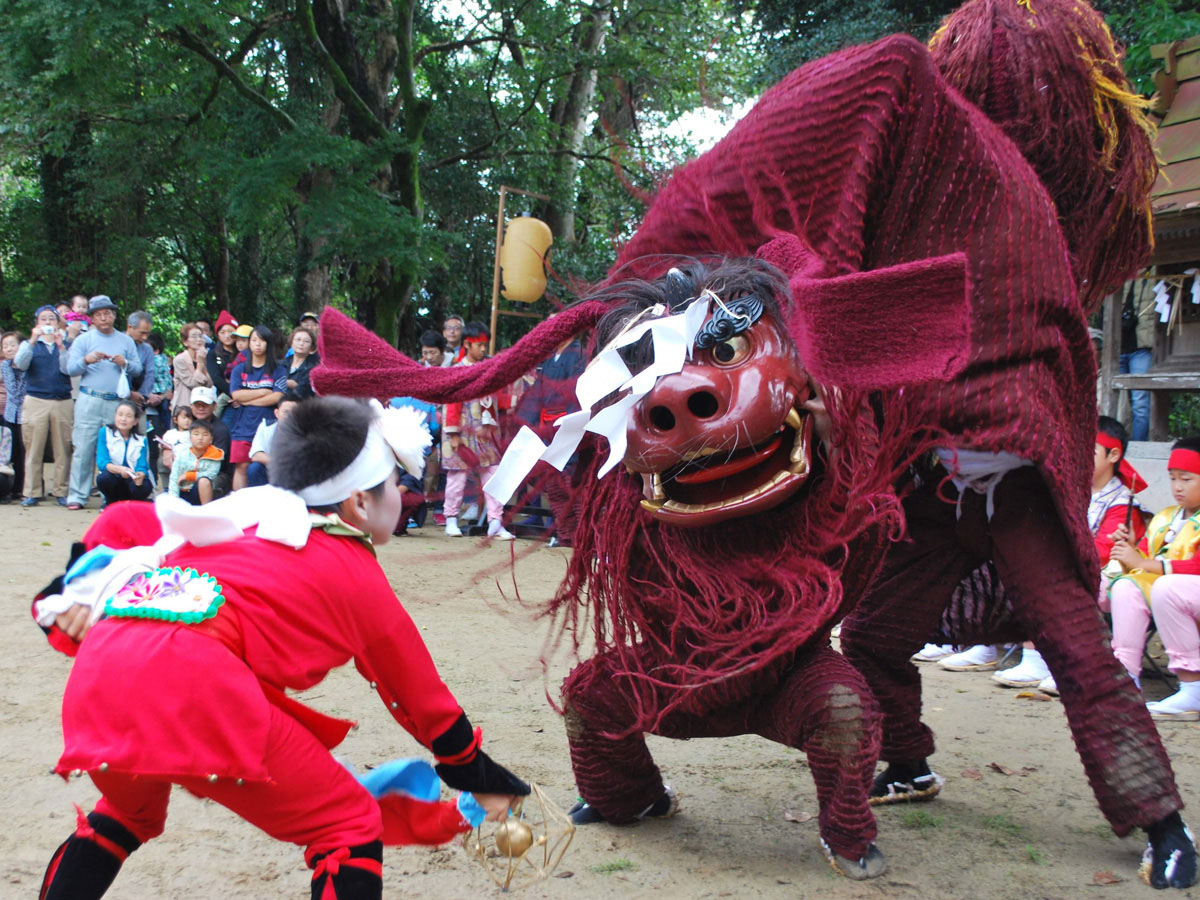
122 458
256 386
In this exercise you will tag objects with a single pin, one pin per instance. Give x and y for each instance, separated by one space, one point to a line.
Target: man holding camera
49 411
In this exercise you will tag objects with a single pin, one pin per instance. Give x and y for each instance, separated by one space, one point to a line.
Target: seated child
173 440
260 447
233 608
1162 569
195 470
121 457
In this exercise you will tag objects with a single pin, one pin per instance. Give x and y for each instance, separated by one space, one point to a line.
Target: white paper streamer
673 338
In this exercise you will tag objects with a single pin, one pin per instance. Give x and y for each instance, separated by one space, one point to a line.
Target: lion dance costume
926 259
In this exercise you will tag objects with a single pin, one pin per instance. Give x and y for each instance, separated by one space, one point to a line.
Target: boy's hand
1127 555
1122 534
496 805
74 622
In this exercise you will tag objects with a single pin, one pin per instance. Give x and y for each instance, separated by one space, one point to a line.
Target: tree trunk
570 114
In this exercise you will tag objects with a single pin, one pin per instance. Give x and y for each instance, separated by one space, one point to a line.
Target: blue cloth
146 355
130 451
45 367
419 780
1138 363
14 384
246 377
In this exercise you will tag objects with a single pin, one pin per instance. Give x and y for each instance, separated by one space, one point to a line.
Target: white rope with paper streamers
673 338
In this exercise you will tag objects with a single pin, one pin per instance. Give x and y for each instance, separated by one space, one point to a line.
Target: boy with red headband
471 441
1162 571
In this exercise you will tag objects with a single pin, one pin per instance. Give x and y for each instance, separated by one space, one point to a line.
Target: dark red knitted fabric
820 706
874 162
1049 73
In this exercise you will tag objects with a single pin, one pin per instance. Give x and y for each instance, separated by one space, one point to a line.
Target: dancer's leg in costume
900 612
825 709
1116 739
822 706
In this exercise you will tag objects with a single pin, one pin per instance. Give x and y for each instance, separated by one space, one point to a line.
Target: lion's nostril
662 418
702 404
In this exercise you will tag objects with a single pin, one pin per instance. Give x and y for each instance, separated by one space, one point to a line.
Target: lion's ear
882 329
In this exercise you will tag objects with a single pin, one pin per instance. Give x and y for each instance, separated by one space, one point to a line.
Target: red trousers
1056 608
820 706
312 799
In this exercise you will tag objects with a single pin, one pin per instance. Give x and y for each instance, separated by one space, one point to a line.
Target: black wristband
482 775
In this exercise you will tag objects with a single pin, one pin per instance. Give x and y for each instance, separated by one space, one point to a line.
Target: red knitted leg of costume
899 613
617 777
825 709
1117 741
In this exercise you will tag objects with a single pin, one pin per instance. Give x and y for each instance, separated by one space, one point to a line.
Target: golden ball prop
513 837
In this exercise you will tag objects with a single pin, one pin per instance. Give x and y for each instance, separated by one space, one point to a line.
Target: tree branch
186 39
341 84
451 46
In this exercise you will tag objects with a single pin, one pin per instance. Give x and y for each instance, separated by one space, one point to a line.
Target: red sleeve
453 418
1114 518
1186 566
394 658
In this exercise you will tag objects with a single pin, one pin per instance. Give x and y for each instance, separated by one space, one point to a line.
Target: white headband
396 435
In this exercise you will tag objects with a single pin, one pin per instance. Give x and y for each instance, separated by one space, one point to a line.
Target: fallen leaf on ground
1034 695
567 874
1003 770
1106 877
792 816
973 774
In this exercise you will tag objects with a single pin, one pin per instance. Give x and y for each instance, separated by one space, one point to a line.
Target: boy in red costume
182 681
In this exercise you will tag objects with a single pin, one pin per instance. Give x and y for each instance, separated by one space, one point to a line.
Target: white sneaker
497 531
1048 686
1179 707
933 652
452 527
1028 673
979 658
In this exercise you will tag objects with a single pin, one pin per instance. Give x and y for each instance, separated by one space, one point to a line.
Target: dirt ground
1016 819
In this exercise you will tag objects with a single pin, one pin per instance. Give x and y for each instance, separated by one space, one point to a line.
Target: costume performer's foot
872 865
1170 857
905 783
664 807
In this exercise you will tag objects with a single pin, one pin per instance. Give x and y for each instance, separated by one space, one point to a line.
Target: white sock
1031 654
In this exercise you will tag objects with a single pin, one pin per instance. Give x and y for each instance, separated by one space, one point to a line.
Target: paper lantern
522 256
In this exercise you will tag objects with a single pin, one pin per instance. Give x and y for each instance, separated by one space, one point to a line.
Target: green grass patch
613 866
919 818
1004 825
1036 855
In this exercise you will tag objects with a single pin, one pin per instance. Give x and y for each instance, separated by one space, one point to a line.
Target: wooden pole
504 189
496 271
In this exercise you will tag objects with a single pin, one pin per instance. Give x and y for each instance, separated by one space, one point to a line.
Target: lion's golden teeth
793 419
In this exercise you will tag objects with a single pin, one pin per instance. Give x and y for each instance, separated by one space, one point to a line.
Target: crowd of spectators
120 419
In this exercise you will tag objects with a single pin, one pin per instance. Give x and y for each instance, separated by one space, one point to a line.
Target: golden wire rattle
527 846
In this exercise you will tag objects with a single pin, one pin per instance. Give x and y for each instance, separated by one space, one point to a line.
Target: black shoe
905 783
664 807
1170 857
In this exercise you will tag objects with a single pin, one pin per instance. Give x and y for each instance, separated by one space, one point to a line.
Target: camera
47 329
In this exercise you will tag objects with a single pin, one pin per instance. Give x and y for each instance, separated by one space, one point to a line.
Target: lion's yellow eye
732 351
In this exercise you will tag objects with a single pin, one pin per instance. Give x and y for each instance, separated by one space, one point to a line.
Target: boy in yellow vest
1163 575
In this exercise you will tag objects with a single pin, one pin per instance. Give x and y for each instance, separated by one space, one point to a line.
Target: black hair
206 320
268 336
433 339
1191 442
201 425
320 438
290 397
1115 430
155 340
474 331
729 279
